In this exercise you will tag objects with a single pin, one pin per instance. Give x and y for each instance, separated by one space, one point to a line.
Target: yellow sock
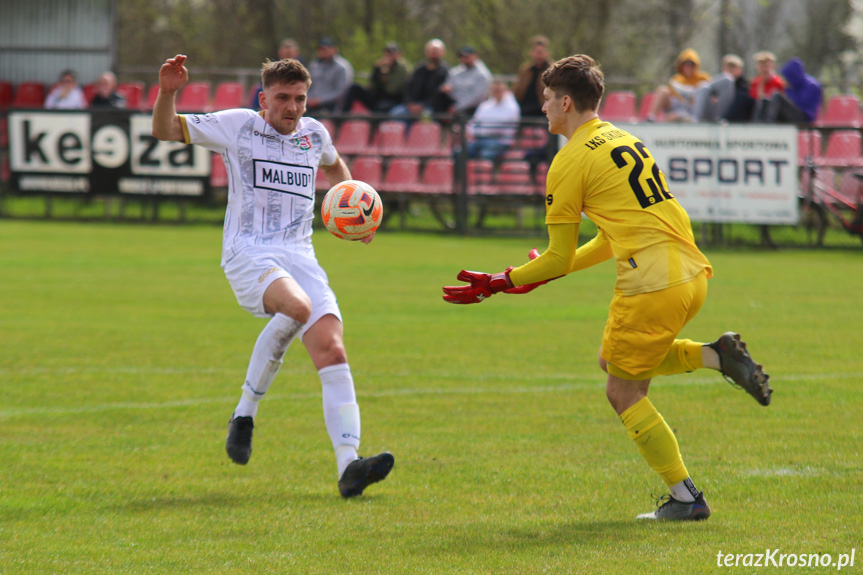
655 441
684 355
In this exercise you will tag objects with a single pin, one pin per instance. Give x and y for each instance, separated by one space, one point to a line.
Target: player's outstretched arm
554 263
484 285
173 75
527 288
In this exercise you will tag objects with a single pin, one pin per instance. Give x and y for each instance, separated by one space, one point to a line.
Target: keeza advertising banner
101 152
743 173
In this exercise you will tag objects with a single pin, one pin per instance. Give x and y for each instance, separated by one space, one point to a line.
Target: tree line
636 41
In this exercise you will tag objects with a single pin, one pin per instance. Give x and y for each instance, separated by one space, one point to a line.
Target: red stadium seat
89 92
194 97
437 176
530 140
353 137
403 175
133 92
228 95
330 126
479 177
808 145
368 169
359 109
644 108
532 137
7 93
843 150
424 139
390 137
619 106
841 111
152 93
513 178
29 95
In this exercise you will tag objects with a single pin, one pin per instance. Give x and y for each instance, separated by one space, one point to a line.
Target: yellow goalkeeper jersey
610 176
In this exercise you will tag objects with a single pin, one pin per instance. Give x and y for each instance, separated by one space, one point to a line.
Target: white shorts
251 272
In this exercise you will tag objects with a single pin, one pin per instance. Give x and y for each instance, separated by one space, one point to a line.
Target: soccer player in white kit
272 157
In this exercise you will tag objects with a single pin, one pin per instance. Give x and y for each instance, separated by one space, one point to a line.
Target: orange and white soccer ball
352 210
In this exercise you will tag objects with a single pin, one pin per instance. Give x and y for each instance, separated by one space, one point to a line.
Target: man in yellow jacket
676 99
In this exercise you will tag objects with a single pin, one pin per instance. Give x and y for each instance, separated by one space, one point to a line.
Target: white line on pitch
413 391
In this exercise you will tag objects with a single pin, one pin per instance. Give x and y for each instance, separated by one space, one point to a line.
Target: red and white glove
481 287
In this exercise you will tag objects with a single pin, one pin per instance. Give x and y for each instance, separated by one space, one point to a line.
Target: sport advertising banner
102 152
728 173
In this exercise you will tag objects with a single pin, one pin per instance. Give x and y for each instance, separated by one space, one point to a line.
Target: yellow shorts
641 328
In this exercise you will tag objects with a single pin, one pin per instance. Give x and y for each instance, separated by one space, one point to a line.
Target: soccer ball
352 210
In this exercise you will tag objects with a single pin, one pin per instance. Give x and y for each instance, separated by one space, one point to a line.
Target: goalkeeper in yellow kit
609 175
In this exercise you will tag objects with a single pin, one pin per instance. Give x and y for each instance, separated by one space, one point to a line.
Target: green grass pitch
122 352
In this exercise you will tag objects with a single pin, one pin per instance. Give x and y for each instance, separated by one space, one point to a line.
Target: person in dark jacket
424 84
802 97
528 84
386 86
106 93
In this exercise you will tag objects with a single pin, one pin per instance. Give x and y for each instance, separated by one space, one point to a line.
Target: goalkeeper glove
481 286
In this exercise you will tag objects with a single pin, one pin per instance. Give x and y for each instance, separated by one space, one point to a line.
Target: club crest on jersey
303 143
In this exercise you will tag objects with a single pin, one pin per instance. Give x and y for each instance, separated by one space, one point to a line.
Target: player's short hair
578 77
285 71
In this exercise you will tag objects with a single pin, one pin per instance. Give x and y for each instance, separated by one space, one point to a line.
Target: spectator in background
106 93
387 84
528 86
288 48
801 99
492 128
425 81
466 85
714 101
332 76
67 94
765 83
677 98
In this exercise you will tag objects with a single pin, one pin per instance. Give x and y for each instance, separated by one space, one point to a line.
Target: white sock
341 412
266 360
684 491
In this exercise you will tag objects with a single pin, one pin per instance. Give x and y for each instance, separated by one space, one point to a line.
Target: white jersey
271 177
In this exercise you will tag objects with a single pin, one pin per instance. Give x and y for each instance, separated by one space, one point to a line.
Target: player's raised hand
173 74
481 286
